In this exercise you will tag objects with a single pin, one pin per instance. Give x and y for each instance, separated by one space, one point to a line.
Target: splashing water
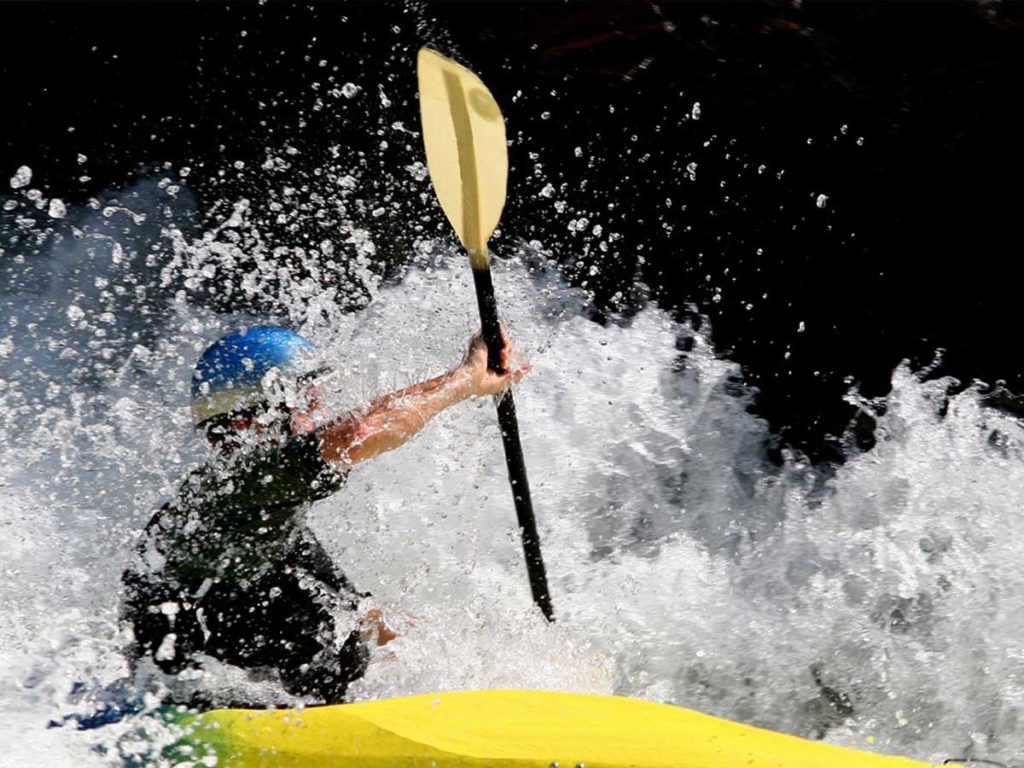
876 605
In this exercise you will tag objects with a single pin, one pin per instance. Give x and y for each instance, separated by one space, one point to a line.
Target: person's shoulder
201 479
188 489
287 469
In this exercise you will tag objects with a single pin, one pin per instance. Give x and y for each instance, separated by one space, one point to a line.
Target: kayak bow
504 728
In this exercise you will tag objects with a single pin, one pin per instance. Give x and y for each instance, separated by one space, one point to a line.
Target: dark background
906 116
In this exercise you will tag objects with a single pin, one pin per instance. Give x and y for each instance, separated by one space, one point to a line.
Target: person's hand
486 382
373 627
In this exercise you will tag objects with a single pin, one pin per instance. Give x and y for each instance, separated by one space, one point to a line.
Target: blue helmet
231 372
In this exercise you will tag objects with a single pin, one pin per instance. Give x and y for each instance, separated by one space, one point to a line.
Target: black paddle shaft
509 425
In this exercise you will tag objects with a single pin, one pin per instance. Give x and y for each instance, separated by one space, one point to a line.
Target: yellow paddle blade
464 137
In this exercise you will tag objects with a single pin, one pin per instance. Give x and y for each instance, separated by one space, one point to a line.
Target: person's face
302 417
305 419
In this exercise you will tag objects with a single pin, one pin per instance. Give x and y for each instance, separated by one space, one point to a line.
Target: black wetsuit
229 569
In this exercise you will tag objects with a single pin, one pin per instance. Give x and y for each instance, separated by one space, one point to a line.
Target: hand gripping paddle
464 137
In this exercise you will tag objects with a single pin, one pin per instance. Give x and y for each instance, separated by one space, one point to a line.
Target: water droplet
695 111
349 90
57 209
21 178
548 191
821 201
417 170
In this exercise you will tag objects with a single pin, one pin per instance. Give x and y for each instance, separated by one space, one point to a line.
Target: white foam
883 601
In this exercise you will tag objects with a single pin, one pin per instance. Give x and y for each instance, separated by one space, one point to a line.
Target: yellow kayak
504 728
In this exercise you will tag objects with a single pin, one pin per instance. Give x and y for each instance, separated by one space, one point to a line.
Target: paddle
464 138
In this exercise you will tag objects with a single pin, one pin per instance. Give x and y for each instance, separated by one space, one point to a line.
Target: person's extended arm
390 420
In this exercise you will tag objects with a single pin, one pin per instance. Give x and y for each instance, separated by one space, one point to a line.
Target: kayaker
228 570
